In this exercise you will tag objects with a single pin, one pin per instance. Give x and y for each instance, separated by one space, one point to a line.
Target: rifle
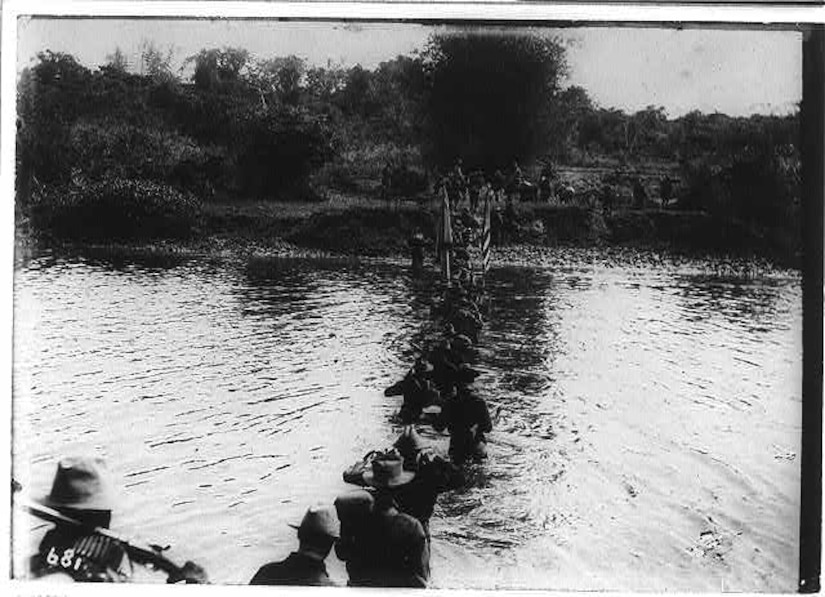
150 555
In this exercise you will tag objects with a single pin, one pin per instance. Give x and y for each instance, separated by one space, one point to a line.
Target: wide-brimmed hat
81 483
409 442
319 520
388 471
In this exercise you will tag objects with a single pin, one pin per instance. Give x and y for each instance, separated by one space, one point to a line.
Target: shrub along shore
359 227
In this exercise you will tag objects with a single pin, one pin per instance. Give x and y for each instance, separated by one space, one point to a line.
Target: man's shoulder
269 571
406 525
274 571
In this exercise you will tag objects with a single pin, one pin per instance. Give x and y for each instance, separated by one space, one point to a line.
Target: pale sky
737 72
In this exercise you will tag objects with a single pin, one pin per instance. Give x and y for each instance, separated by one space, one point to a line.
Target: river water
647 411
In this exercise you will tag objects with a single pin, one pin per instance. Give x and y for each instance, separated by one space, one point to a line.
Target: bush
116 209
112 148
759 188
706 187
279 151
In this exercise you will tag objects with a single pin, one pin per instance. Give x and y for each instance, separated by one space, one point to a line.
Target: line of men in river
381 530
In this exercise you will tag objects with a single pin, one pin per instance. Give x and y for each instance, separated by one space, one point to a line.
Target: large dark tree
490 95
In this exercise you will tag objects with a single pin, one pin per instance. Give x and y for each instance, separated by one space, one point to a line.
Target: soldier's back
395 554
296 569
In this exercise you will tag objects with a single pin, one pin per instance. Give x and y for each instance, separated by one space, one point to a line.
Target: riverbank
351 226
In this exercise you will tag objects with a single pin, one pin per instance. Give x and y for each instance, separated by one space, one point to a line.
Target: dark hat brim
402 479
100 503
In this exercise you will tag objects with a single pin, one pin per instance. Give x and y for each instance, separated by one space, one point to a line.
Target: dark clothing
445 367
549 171
418 497
466 322
417 251
84 557
665 190
467 418
433 475
297 569
418 393
476 183
390 549
498 181
639 194
515 181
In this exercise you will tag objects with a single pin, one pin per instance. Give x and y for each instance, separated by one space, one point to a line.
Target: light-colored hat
319 520
80 483
388 471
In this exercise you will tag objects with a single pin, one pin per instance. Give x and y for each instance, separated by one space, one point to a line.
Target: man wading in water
433 475
467 418
382 546
316 535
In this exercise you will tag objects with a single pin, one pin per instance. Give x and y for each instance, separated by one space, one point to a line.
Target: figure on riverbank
416 244
509 222
514 181
498 184
547 182
665 190
317 534
82 492
639 193
608 196
386 179
475 185
467 419
457 183
381 545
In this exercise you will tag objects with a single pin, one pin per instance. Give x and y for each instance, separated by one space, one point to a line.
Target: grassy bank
360 225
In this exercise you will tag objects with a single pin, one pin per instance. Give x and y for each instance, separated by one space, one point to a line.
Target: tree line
279 127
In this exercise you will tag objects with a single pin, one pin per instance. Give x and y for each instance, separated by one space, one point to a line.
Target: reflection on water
625 400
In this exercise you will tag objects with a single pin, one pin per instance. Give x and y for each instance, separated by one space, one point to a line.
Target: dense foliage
281 128
491 97
116 209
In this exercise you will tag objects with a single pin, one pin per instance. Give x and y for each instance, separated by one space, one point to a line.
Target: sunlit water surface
647 413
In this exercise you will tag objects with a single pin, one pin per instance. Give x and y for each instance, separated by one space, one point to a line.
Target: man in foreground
382 546
79 548
316 535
